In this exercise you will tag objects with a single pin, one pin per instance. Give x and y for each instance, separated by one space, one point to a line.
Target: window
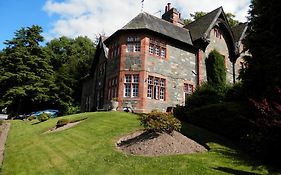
217 33
133 44
130 48
188 89
131 86
157 48
156 88
114 50
151 48
112 88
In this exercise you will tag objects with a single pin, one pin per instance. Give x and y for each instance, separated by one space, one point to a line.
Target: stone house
154 63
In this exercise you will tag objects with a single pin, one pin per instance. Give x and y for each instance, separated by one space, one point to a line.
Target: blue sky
21 13
74 18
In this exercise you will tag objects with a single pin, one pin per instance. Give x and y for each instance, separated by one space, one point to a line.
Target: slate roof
199 28
150 22
101 48
239 31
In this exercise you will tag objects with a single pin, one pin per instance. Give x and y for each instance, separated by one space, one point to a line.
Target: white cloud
92 17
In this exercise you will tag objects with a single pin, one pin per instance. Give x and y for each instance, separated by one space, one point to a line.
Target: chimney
172 15
169 6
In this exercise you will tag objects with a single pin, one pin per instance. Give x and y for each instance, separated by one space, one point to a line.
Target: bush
62 122
71 110
160 122
43 117
227 118
1 122
31 118
205 95
215 68
78 119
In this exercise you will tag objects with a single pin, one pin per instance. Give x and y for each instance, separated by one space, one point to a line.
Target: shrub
71 110
43 117
62 122
32 117
205 95
160 122
1 122
78 119
215 68
227 118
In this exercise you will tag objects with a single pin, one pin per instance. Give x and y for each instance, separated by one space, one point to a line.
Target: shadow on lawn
229 149
34 124
235 172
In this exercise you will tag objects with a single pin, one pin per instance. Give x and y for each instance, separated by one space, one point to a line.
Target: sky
90 18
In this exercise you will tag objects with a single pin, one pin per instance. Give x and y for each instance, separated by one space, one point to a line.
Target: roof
152 23
239 31
199 28
101 48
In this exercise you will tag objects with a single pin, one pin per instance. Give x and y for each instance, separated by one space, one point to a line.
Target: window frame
157 48
131 85
133 44
156 88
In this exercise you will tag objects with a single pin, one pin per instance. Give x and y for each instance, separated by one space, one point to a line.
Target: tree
194 17
216 71
263 74
71 59
26 75
231 21
230 17
261 78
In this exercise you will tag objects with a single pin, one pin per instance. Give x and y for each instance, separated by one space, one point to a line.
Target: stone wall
218 42
178 68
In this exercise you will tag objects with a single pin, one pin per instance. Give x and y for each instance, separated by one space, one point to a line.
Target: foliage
261 77
262 73
71 59
78 119
231 21
235 92
89 149
26 76
35 77
195 16
62 122
30 118
205 95
72 110
226 118
43 117
160 122
216 71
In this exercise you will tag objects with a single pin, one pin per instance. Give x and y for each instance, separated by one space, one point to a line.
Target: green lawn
89 148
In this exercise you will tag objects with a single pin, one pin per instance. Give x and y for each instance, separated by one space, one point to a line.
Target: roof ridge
164 20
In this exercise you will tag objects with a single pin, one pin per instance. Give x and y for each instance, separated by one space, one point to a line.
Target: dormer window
157 48
133 44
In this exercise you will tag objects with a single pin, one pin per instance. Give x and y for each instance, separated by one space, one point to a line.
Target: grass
89 148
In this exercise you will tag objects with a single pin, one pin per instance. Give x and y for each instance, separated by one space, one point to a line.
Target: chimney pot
166 9
169 6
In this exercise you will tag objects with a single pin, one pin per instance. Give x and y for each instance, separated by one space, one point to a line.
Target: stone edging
5 129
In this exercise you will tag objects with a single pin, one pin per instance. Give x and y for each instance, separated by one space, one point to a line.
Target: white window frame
131 85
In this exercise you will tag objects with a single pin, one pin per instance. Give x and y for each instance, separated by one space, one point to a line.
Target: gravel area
155 144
